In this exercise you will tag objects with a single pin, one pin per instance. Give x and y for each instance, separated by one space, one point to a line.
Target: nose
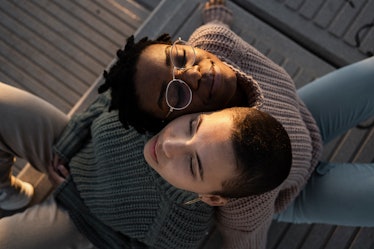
174 147
191 76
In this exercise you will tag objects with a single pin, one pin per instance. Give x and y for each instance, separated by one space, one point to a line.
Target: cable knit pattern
122 197
244 222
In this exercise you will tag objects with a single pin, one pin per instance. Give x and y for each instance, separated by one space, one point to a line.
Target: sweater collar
247 83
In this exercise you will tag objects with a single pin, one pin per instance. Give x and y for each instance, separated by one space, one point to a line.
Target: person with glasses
125 191
225 72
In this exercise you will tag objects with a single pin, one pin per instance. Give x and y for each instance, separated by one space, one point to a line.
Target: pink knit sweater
244 222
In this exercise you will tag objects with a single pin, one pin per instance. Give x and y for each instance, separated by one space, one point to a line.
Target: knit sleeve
244 222
218 13
98 233
78 129
219 40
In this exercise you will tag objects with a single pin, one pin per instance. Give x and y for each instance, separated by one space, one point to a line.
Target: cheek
175 175
228 73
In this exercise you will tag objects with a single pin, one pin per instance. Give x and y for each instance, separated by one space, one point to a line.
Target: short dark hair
120 79
263 152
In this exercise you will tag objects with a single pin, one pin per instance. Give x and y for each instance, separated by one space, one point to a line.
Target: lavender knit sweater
244 222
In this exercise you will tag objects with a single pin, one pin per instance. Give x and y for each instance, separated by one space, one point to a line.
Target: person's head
231 153
140 80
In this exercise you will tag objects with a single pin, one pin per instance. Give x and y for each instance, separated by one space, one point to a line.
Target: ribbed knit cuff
218 13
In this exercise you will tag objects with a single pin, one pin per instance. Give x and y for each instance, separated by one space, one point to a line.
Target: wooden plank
276 233
34 72
40 25
342 237
68 24
363 239
50 61
95 23
163 20
317 236
130 13
294 237
148 4
333 39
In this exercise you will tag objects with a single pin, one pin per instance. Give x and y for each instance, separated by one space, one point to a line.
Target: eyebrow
201 169
161 97
167 56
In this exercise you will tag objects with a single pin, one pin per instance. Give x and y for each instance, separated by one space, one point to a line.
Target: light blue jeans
338 193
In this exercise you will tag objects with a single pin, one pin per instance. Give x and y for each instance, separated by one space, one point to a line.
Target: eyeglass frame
178 80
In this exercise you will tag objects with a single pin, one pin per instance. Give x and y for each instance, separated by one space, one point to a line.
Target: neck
239 99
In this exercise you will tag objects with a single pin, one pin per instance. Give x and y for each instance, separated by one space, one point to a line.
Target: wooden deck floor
57 49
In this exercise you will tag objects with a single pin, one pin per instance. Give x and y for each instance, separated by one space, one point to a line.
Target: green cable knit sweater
114 198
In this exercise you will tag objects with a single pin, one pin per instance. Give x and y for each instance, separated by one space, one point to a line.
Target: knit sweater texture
244 222
114 198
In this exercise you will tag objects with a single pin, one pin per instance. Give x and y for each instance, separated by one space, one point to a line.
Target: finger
55 162
52 175
63 171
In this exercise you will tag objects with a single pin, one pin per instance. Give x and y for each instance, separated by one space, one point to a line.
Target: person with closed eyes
156 86
127 189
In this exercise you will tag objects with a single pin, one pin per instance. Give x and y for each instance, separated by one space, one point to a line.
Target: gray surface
56 49
325 27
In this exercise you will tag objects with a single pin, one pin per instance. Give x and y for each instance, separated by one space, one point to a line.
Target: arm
244 222
215 35
78 129
216 11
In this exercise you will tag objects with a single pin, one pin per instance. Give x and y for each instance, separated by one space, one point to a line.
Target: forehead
216 148
152 74
154 51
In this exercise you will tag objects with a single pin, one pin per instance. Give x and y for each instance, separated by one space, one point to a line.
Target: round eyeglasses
178 94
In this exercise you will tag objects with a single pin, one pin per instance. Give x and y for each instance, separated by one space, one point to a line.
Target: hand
57 161
57 177
57 171
212 3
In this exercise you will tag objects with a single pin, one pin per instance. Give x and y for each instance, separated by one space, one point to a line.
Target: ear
213 200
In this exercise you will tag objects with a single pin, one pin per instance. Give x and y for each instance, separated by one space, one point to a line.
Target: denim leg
342 99
337 193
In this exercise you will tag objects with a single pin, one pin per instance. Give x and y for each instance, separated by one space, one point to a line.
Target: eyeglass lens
182 55
178 94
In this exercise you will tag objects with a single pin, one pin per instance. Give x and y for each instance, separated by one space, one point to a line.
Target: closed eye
191 168
191 128
195 168
180 60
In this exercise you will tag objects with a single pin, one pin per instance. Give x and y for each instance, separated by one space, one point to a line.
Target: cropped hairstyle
121 80
263 152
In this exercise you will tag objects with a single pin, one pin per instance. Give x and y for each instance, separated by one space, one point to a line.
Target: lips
153 149
212 68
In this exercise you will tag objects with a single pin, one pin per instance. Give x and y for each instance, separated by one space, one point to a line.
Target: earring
193 201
